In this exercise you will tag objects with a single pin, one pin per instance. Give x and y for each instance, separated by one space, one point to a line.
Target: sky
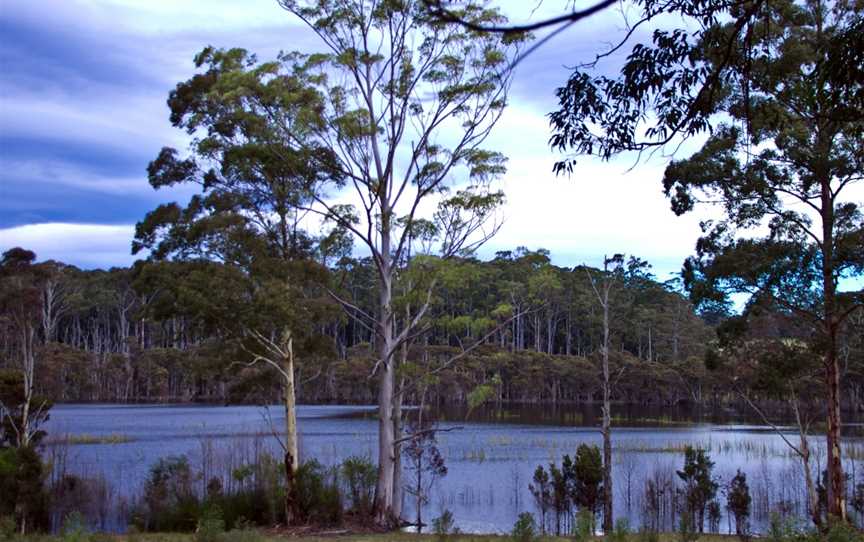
83 86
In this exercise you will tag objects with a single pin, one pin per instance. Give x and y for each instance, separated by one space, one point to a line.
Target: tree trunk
292 456
397 452
836 491
607 424
385 488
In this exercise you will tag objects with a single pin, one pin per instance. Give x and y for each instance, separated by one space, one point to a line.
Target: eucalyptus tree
605 285
21 294
778 86
406 103
244 235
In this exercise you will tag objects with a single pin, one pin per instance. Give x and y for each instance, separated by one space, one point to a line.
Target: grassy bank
253 536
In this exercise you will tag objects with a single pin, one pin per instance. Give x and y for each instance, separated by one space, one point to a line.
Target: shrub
525 528
359 475
8 531
700 486
7 528
588 478
781 529
541 489
583 529
648 535
844 532
22 489
170 503
211 526
443 525
74 528
686 532
620 531
242 535
738 502
319 499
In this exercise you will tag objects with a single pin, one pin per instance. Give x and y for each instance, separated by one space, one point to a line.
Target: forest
329 255
173 331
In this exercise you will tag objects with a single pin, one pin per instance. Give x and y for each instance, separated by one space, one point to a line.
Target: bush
700 487
7 529
686 532
738 502
583 529
170 503
443 525
621 531
525 528
319 499
242 535
359 475
74 528
648 535
844 532
211 526
781 529
22 488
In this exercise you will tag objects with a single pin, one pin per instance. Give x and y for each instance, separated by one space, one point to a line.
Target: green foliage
588 477
319 499
359 477
686 530
22 487
525 528
8 532
169 502
700 488
211 526
620 532
541 489
843 532
443 526
74 528
738 502
483 393
583 528
782 529
646 534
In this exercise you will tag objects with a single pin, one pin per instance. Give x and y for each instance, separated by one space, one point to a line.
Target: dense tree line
139 334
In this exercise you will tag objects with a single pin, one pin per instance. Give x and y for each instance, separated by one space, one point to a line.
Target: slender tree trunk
812 495
836 490
397 453
607 423
28 353
292 456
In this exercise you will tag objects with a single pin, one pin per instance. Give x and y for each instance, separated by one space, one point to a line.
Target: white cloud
83 245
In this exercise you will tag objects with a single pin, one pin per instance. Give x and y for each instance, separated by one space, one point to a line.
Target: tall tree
22 283
407 102
255 184
616 273
602 287
780 86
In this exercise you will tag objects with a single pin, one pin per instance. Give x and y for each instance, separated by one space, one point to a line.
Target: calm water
490 460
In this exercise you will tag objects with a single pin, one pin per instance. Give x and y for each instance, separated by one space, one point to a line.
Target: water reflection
490 459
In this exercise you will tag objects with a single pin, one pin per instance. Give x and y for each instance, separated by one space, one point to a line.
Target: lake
490 457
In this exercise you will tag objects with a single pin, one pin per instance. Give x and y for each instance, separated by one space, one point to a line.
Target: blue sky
82 112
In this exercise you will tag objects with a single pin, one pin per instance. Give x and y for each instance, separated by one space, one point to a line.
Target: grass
84 438
233 536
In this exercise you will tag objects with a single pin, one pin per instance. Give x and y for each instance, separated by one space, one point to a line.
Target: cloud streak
84 90
84 245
